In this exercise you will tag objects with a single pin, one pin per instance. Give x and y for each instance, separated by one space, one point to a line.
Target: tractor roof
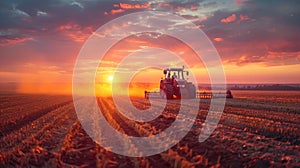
173 69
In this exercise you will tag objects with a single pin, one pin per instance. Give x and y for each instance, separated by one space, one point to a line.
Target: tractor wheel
184 93
162 94
169 91
192 91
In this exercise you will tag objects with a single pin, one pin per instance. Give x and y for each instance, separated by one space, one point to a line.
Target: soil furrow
28 119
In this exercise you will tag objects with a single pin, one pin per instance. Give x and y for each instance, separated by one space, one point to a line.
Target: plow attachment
153 94
199 95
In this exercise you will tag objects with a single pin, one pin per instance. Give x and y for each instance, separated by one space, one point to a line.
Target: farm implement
175 85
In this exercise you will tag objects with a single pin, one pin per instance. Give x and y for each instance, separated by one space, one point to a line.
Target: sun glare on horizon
110 78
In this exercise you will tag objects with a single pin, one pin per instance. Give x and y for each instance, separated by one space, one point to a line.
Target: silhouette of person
174 75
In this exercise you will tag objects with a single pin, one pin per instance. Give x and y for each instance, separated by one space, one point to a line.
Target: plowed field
254 131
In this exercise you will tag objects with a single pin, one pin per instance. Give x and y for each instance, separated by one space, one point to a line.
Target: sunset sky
258 41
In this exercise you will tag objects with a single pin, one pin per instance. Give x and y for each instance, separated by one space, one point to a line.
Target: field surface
257 129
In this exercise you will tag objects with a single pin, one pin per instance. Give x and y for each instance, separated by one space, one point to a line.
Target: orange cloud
229 19
115 11
269 59
8 42
65 27
76 32
179 8
282 58
194 7
244 17
218 39
134 6
164 4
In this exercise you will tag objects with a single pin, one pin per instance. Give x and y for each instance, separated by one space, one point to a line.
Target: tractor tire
169 91
192 91
162 94
184 93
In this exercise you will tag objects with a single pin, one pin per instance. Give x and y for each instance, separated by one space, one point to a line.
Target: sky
258 41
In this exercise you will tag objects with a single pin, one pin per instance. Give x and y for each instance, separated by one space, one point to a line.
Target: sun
110 78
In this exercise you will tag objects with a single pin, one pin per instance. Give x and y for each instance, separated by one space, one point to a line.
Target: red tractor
175 84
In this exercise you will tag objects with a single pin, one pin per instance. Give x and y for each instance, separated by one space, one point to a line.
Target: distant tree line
265 87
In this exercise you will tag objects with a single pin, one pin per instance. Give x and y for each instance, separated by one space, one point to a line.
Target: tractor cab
175 84
178 73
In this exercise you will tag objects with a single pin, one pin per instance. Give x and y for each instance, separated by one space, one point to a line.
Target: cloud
8 32
229 19
76 32
122 7
135 6
242 2
116 11
271 58
77 4
41 13
19 13
283 58
8 42
244 17
218 39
